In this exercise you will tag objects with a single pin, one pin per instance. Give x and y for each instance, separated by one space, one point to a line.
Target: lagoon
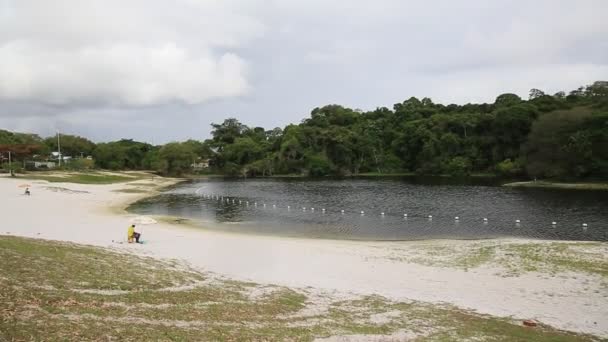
294 207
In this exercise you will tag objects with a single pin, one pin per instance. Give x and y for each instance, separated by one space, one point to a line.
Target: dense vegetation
556 136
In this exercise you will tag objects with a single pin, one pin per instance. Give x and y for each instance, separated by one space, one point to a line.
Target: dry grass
59 291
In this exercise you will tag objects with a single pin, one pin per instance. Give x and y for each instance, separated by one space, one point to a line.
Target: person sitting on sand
132 234
27 191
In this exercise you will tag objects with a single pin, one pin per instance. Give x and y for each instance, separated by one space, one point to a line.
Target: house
36 165
64 158
200 165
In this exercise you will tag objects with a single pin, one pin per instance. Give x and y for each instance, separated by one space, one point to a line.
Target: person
132 234
27 191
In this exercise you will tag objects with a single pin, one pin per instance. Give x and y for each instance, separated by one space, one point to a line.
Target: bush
458 166
79 164
508 167
318 165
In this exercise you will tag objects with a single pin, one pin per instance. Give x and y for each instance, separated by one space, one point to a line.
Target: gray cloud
122 53
165 70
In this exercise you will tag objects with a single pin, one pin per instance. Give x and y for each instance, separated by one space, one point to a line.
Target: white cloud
118 74
129 53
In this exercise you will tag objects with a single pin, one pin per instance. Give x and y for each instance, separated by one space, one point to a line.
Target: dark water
536 209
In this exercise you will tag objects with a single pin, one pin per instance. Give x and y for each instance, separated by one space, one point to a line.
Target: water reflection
275 206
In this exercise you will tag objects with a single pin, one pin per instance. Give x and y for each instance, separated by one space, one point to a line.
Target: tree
176 158
71 145
507 99
536 93
227 132
559 147
122 154
549 136
243 151
511 127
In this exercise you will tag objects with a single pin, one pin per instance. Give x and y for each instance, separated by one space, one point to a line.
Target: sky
160 71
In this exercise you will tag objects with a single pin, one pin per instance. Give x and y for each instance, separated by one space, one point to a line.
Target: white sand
575 302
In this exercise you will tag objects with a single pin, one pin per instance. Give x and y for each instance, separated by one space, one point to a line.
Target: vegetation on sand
59 291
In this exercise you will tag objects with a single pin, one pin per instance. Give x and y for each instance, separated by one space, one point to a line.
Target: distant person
27 191
132 234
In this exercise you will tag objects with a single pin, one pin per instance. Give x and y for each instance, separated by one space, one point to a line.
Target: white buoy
362 212
247 202
288 207
303 208
553 223
456 218
382 213
584 225
430 217
404 215
312 209
342 211
240 202
485 219
274 205
517 221
255 204
323 210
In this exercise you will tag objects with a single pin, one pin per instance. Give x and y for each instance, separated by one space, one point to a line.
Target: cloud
123 53
118 74
166 69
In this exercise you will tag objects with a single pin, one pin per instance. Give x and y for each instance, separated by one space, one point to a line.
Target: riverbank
561 284
558 185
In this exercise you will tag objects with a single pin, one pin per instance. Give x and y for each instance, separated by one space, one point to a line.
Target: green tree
71 145
560 146
176 158
508 99
227 132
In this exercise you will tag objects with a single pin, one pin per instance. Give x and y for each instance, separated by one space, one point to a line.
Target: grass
515 258
131 191
559 185
381 174
556 257
82 178
59 291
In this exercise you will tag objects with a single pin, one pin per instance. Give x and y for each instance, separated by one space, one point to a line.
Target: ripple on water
536 209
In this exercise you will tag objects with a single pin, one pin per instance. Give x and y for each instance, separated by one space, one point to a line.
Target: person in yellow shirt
132 234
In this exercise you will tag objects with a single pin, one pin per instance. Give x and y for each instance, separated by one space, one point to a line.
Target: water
535 208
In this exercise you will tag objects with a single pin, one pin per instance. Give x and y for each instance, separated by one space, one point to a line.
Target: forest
557 136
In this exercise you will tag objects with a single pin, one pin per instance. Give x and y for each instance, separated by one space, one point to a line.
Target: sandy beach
93 214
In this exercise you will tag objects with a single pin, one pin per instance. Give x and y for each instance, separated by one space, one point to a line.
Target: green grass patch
559 185
131 191
81 178
59 291
513 258
556 257
380 174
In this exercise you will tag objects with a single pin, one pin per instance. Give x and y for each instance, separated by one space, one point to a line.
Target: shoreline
558 185
422 270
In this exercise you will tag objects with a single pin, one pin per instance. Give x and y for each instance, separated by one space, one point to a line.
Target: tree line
563 135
